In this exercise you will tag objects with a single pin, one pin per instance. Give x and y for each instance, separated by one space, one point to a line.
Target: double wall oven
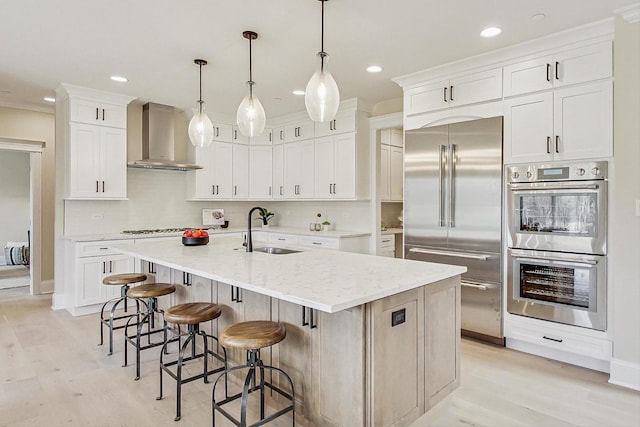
557 238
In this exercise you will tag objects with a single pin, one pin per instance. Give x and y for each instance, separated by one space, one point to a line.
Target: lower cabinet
89 274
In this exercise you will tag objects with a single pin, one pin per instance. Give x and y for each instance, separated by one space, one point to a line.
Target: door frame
34 148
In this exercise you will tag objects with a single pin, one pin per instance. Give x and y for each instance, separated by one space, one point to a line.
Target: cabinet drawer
561 340
97 248
387 241
320 242
289 239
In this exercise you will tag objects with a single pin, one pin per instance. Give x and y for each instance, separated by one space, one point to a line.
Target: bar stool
252 336
122 280
190 314
151 292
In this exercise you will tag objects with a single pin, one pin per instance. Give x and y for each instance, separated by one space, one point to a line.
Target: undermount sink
274 250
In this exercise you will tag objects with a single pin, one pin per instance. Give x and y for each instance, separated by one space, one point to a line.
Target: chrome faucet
264 220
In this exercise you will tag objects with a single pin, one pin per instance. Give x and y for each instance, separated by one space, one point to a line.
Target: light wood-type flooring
52 373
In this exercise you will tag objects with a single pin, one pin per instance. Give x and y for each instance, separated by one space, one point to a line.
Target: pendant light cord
200 100
322 55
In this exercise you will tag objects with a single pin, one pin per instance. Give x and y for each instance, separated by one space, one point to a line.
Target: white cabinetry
261 168
560 69
93 136
278 172
238 137
335 167
265 138
392 136
240 171
343 122
298 131
387 245
390 187
214 180
572 123
461 90
299 169
222 132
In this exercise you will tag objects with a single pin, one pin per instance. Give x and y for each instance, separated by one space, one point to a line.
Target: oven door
558 216
560 287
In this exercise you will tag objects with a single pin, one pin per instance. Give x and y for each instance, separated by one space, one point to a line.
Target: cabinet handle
316 243
304 316
282 238
557 70
213 189
334 124
269 190
551 339
281 136
311 323
548 145
450 93
235 190
186 278
270 136
557 144
97 117
110 266
217 131
151 267
103 186
445 94
103 115
235 134
97 186
281 190
104 267
548 72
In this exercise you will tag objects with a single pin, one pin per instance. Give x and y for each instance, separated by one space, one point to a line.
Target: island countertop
326 280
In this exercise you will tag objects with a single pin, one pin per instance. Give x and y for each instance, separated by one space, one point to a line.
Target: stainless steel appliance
557 238
453 214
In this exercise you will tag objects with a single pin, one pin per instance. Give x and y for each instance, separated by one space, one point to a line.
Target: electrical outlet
97 216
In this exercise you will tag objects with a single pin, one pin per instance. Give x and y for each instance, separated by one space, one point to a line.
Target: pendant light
200 126
250 117
322 97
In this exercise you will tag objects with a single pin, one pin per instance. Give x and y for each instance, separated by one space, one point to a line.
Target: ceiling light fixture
322 97
251 117
119 79
298 92
490 32
200 126
49 99
374 68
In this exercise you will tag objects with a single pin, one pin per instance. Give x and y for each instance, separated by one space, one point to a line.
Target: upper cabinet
238 137
214 180
298 131
343 122
564 68
461 90
223 132
92 133
265 138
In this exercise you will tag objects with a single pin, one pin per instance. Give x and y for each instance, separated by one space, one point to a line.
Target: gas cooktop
157 230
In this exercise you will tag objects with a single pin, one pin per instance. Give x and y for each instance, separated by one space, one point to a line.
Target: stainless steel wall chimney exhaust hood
158 141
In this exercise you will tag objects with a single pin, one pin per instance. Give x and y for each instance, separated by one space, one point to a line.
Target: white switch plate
637 207
97 216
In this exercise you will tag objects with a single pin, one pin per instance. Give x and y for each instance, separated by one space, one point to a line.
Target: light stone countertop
326 280
219 231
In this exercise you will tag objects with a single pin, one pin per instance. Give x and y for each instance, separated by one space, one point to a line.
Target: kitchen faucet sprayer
264 221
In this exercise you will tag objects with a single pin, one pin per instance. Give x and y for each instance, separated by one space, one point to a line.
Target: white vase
326 227
265 226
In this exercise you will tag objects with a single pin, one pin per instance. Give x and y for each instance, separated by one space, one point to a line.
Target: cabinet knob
580 171
595 171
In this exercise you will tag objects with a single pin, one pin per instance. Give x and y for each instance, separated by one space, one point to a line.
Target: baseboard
47 286
57 301
562 356
625 374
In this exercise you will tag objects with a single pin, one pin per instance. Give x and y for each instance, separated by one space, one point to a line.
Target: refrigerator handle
452 188
441 151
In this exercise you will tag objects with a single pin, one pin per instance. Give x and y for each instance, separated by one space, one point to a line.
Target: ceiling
154 42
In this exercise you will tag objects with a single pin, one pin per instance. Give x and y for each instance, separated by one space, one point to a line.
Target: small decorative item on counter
225 225
266 215
326 225
195 237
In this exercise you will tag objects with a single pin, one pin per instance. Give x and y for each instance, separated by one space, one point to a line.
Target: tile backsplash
156 199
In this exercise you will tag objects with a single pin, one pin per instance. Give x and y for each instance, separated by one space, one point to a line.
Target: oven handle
567 260
515 188
448 253
476 285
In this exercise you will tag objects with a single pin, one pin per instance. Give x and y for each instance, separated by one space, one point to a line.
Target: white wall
14 197
624 236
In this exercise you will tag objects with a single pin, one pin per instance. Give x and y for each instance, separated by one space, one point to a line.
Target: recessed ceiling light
374 68
538 17
119 79
490 32
49 99
298 92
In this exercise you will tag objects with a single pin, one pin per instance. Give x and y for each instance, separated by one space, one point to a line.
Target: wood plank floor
52 373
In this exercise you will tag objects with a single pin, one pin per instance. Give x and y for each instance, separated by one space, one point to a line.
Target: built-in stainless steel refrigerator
453 213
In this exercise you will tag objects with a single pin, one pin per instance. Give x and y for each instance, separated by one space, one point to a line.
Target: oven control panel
577 171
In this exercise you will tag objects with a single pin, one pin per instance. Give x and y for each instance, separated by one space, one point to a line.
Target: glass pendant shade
200 128
322 97
251 117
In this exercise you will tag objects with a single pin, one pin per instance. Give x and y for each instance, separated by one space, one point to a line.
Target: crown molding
631 14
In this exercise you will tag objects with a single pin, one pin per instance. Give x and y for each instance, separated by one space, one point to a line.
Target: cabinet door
84 161
583 121
278 171
265 138
343 122
278 136
324 167
292 160
113 162
202 180
84 111
344 166
116 264
583 64
240 171
528 76
260 172
476 87
307 177
528 128
383 178
113 115
304 129
222 132
396 138
426 98
182 282
396 174
89 274
238 137
222 170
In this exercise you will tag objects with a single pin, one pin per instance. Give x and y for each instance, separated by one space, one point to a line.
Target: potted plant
326 225
266 216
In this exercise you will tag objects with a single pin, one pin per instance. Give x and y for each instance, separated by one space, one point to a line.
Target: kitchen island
371 341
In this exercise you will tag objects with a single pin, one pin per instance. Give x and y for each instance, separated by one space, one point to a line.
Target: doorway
34 149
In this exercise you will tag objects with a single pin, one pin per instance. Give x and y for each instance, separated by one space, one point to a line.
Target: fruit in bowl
194 237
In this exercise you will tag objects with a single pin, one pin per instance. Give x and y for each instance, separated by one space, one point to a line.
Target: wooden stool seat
192 313
124 279
252 335
151 290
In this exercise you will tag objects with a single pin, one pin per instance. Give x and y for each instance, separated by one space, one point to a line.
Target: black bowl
195 241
